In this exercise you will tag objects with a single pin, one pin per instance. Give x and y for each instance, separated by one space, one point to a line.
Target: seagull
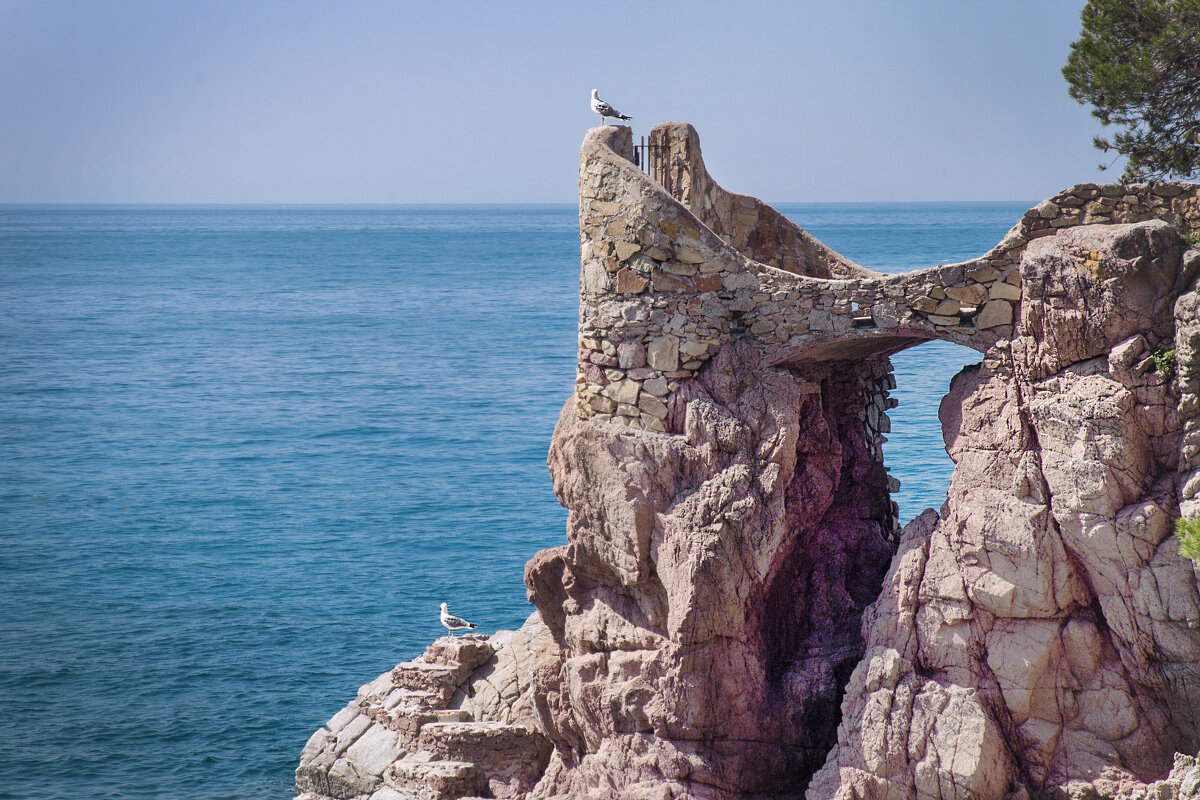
454 623
604 109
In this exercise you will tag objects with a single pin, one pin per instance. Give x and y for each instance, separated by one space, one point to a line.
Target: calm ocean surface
246 451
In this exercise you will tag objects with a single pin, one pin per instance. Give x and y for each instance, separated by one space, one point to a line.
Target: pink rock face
1041 636
707 607
730 524
1090 287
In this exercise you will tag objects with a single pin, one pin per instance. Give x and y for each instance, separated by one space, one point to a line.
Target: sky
465 101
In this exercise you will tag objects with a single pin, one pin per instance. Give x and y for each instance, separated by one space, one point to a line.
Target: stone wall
662 288
1187 360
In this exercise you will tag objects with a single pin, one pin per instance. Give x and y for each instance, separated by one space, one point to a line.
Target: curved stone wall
668 277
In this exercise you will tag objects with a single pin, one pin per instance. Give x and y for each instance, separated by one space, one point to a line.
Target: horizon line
448 204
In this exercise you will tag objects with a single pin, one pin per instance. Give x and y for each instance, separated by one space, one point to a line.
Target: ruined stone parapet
672 272
661 291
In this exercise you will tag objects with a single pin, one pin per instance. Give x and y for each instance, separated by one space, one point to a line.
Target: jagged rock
735 613
1022 640
1038 590
453 723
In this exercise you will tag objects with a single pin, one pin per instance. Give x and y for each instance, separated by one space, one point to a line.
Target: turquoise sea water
246 451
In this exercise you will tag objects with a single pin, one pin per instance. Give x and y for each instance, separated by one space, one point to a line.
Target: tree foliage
1137 62
1188 530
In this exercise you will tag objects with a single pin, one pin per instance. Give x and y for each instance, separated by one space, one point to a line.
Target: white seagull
604 109
454 623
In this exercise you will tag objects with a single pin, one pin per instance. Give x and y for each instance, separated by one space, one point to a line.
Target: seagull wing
457 622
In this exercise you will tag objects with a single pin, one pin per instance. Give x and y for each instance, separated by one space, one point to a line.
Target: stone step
388 793
405 711
475 741
431 680
401 703
393 713
469 651
437 680
511 757
428 778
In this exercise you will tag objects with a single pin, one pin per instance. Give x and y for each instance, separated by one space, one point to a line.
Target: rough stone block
971 294
983 274
948 308
1004 291
663 353
669 283
631 354
625 391
655 386
994 314
1047 210
679 268
630 282
625 250
651 405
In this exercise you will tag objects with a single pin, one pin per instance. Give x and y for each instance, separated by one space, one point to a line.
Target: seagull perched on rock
604 109
454 623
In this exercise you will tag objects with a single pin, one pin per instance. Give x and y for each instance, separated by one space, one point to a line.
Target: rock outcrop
1041 633
455 722
735 612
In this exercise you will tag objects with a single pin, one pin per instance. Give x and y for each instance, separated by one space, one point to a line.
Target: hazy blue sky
464 101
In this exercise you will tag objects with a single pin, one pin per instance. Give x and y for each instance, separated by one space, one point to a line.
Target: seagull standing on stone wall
454 623
604 109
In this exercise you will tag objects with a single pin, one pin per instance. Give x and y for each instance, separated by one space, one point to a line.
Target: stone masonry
670 276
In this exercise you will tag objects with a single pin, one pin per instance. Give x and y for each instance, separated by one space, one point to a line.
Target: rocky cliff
737 614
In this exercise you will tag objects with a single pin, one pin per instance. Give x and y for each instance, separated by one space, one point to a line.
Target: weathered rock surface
1041 635
707 605
455 722
735 613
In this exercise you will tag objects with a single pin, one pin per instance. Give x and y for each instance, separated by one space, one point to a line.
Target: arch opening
858 478
915 451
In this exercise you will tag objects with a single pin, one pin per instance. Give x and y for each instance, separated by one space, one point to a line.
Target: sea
246 451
